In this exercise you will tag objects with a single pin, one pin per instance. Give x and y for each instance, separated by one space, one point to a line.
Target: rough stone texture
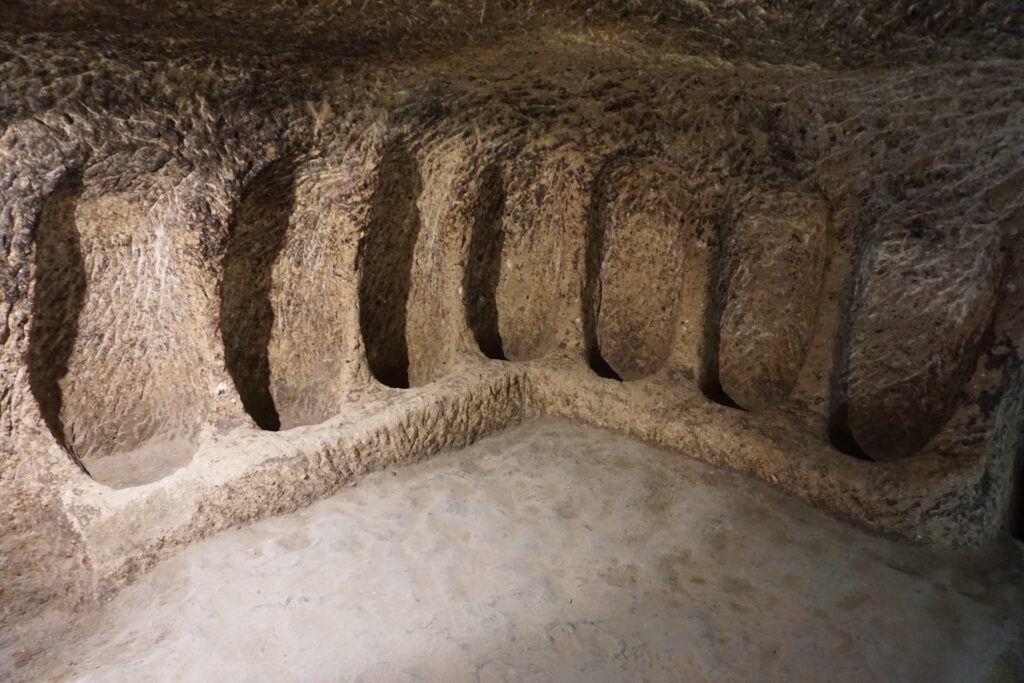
247 315
903 384
218 222
637 239
771 279
546 207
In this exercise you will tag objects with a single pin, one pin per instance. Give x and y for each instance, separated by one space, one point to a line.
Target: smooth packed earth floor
556 552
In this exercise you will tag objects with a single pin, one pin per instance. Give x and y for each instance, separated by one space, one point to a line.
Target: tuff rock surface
250 253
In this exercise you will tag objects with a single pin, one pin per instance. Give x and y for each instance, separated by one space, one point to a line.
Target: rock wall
246 259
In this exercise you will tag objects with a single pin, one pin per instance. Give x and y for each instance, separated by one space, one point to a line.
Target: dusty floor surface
557 552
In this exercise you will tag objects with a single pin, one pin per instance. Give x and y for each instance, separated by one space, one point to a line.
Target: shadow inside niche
594 257
1014 426
715 294
483 266
711 382
713 390
841 436
257 236
601 367
58 299
385 267
1017 513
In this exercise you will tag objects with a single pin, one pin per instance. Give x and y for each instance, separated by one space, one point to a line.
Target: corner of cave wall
255 244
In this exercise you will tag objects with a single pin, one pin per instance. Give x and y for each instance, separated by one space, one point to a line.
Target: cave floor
556 551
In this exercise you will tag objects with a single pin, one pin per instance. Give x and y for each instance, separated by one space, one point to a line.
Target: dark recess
385 268
592 288
59 296
246 315
718 286
483 267
1017 509
841 436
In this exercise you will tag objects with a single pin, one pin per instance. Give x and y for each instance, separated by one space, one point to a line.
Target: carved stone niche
252 254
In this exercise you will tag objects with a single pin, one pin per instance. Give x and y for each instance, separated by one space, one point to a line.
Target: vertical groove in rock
59 295
924 300
142 376
715 298
548 191
385 265
314 351
247 314
460 206
770 280
483 265
594 254
838 409
635 268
